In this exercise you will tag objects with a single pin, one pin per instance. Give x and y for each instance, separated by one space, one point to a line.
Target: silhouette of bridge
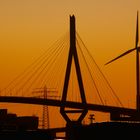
69 104
116 112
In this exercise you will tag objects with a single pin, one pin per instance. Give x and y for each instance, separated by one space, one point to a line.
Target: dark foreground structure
75 131
21 127
26 135
103 131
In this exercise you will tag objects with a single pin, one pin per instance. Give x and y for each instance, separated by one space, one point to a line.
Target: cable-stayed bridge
69 68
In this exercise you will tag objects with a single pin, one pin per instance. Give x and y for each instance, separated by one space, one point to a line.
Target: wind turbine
137 48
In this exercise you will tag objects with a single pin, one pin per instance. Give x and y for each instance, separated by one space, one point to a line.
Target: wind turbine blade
137 30
127 52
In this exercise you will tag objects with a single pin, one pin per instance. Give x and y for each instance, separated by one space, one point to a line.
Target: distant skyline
107 28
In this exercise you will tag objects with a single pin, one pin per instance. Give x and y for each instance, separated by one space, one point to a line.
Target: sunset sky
107 27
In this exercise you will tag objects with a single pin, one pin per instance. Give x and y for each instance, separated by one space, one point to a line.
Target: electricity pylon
45 113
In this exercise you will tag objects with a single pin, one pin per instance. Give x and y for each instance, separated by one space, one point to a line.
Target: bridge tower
73 56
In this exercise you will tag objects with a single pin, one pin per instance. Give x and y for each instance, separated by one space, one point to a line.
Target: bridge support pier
73 130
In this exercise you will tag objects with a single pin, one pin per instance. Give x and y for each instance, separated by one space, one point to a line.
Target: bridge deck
69 104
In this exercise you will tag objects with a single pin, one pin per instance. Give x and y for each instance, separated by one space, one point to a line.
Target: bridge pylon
73 56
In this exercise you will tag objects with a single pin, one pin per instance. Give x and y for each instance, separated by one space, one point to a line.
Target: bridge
69 104
73 72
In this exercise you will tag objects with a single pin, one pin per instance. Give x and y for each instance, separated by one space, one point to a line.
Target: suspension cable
100 70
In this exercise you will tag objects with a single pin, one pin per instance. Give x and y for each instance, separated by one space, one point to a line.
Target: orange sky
27 27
